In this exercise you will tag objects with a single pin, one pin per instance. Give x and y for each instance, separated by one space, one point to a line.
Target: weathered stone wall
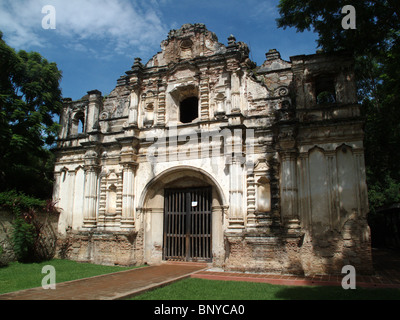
6 219
107 248
303 253
47 239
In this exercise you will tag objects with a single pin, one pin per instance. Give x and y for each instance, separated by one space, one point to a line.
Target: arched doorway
187 224
183 217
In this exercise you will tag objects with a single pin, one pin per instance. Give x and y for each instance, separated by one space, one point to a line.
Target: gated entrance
187 224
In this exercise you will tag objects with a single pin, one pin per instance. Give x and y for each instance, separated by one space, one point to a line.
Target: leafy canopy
30 98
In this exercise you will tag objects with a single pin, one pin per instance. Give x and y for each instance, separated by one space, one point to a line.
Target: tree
30 97
375 46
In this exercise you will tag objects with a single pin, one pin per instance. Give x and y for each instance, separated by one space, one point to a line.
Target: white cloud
121 25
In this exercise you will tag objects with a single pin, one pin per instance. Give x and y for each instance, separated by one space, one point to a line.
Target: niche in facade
189 109
263 195
112 199
149 115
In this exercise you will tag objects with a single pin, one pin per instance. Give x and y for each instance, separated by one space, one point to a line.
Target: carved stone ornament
90 154
104 115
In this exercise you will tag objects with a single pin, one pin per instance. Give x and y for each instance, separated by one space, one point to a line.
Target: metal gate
187 224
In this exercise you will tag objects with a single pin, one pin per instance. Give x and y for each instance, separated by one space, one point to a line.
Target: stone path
113 286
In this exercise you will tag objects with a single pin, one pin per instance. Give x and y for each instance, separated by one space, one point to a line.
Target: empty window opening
325 90
189 109
78 124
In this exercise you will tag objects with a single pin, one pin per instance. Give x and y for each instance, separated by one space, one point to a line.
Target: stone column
236 211
289 191
89 206
95 101
56 186
128 156
304 196
251 199
90 200
333 192
161 105
71 192
133 108
128 212
204 94
235 93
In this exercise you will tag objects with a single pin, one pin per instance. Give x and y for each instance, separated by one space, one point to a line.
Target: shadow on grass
201 289
336 293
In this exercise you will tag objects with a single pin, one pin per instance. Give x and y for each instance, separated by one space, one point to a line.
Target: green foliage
375 23
26 226
30 97
375 45
380 194
24 235
18 201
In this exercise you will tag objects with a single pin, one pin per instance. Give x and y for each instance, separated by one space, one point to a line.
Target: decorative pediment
188 42
262 166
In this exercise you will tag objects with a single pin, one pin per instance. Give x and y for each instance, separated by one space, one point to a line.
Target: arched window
78 123
189 109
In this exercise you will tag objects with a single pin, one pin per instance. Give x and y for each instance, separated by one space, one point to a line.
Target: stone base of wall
106 248
276 250
303 252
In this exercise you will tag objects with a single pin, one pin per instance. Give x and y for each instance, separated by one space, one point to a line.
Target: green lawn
18 276
200 289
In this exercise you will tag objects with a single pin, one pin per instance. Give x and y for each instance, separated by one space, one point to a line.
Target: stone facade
279 145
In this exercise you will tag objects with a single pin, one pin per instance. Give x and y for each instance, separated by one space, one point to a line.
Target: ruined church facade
200 155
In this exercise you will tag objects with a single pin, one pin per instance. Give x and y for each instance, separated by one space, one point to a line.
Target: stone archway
151 204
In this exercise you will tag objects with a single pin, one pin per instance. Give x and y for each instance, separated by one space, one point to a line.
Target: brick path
128 283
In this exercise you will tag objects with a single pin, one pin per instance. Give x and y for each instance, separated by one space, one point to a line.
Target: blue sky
96 41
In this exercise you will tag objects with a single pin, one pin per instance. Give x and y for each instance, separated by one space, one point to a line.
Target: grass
18 276
200 289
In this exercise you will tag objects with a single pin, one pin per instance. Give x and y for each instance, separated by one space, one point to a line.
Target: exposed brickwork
100 248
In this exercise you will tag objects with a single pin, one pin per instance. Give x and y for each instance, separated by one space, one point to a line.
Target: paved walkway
123 284
111 286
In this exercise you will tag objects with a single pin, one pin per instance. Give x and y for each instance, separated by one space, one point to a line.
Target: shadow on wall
337 230
334 229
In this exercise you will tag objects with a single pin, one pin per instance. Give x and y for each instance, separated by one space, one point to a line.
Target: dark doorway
189 109
187 224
